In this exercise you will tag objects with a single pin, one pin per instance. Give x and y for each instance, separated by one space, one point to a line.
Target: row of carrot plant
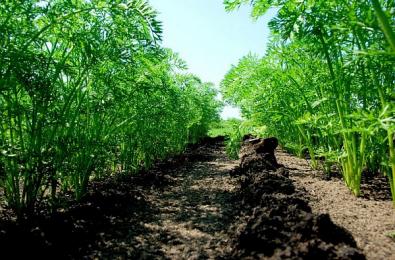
325 84
86 90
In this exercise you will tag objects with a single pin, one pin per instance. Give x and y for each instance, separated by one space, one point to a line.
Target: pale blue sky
208 38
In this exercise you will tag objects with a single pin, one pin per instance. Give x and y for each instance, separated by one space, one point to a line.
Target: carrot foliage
326 84
86 90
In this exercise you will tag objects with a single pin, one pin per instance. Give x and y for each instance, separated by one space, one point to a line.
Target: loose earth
199 205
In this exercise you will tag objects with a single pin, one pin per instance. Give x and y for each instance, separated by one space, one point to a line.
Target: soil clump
279 223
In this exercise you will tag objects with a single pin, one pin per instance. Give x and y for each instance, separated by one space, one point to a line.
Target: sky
210 39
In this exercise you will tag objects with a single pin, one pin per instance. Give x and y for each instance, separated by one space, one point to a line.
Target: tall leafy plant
328 70
85 90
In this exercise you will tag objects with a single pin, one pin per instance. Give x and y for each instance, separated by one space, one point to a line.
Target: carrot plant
87 90
325 83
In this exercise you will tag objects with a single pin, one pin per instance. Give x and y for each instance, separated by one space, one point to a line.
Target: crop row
87 91
326 83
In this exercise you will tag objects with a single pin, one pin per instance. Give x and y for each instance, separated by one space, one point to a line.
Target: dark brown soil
370 218
279 222
181 208
374 185
199 205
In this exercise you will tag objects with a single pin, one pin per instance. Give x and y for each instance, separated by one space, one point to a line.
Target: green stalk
384 23
392 163
314 162
350 164
390 36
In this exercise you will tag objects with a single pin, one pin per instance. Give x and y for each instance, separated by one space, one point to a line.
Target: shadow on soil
102 220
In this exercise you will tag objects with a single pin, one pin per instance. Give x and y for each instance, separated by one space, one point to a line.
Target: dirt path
194 212
368 220
180 209
190 207
188 211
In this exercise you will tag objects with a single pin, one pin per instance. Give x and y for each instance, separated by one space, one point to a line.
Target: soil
201 205
180 209
279 223
369 218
